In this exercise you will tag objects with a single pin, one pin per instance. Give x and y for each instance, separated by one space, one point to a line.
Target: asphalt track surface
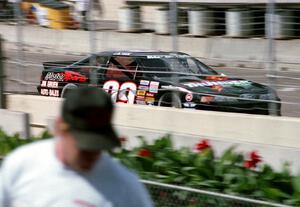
23 76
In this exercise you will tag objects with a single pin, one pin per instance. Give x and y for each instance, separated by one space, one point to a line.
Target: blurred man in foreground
73 169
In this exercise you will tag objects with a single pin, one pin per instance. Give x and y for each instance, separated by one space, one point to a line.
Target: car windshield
163 66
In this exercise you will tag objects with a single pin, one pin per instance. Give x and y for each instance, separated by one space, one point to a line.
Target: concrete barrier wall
275 138
259 129
223 50
15 122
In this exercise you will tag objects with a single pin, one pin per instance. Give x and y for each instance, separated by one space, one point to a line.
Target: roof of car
140 53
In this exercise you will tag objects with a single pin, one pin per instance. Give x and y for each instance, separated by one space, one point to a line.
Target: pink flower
202 145
144 153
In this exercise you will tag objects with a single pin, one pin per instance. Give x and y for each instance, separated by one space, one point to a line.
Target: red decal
216 78
150 94
74 76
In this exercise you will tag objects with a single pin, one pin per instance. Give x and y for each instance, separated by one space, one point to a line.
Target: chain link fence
165 195
253 41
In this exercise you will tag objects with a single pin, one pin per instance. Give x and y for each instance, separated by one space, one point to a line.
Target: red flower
144 153
255 157
249 164
253 161
204 144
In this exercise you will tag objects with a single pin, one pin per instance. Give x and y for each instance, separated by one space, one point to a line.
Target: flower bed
231 173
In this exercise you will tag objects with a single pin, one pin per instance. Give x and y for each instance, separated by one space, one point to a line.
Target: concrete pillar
162 21
200 21
283 24
238 22
130 19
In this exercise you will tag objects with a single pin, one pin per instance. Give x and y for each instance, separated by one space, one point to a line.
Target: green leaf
296 183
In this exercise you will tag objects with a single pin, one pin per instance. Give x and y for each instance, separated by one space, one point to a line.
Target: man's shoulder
120 170
34 150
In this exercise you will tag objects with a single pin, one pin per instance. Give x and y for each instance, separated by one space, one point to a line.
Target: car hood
217 85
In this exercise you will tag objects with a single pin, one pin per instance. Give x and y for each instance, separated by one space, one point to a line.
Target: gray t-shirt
33 176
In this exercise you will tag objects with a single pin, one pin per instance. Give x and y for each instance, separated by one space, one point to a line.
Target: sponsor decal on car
153 88
49 84
44 92
55 76
141 87
148 94
122 53
149 99
214 83
53 92
189 97
141 92
140 98
189 104
141 102
49 92
144 82
74 76
174 55
207 99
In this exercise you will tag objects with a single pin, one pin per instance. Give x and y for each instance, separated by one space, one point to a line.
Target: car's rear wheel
67 88
170 100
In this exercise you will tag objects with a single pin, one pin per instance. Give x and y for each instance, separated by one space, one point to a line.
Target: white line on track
288 89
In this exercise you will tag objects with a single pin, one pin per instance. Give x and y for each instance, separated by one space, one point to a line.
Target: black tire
67 88
170 100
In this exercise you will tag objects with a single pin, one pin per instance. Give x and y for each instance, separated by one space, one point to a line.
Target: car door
119 79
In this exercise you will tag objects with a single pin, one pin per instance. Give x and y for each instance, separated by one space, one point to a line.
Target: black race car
159 78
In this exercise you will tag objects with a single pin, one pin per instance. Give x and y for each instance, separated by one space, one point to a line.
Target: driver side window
193 66
121 67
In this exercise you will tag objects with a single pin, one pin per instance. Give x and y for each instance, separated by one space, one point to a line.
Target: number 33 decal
124 92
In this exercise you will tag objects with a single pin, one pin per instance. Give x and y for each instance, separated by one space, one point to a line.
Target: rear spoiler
57 64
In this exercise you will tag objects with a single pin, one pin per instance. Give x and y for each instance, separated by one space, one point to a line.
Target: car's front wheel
170 100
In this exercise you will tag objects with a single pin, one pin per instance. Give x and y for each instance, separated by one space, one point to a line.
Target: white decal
127 92
145 88
153 88
44 84
215 83
112 87
53 92
189 97
141 102
54 76
122 53
144 82
52 84
124 93
44 92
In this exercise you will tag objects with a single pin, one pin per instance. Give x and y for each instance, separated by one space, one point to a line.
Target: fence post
18 17
2 96
173 16
271 64
93 43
